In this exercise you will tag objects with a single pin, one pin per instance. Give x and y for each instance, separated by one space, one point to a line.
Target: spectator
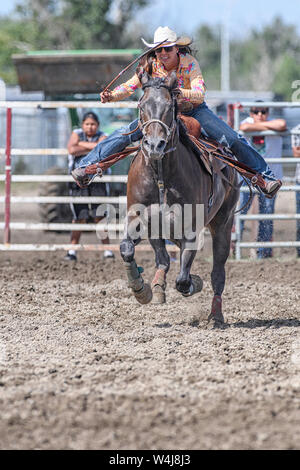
268 147
81 142
296 153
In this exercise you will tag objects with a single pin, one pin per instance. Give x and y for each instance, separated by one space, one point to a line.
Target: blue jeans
218 130
265 227
211 125
116 142
298 221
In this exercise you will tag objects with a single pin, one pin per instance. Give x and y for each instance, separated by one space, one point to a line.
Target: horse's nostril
161 144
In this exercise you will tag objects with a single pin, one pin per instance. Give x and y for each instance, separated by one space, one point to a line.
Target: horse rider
174 54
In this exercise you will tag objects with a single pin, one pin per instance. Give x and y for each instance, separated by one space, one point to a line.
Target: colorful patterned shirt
189 78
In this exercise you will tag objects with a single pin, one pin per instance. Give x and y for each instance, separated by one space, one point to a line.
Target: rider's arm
196 92
125 89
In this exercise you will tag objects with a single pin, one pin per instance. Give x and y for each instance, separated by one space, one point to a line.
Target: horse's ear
144 77
171 80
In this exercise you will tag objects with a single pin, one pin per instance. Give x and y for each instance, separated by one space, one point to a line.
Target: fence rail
9 178
8 199
62 179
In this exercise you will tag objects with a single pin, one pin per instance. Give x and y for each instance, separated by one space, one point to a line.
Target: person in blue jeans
296 153
174 54
267 146
265 227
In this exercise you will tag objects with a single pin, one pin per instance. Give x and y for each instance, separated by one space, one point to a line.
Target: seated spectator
296 153
81 142
269 147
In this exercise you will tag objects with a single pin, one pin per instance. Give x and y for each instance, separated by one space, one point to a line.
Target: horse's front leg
162 261
186 283
141 290
221 236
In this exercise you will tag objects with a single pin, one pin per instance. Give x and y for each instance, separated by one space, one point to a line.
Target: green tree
288 71
77 24
268 59
65 24
208 52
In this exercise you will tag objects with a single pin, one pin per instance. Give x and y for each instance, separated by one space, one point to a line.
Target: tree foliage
65 24
77 24
265 59
207 45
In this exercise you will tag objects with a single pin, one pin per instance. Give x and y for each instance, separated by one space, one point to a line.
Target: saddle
213 156
202 147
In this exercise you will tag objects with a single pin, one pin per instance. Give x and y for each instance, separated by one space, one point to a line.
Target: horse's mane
157 82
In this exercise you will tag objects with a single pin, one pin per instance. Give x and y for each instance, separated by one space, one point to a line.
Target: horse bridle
169 130
170 134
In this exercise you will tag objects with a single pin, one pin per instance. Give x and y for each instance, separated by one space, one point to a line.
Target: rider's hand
106 96
184 106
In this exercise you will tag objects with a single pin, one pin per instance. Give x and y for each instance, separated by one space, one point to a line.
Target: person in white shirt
268 147
296 153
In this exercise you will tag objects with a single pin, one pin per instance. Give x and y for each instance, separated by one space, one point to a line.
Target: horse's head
157 114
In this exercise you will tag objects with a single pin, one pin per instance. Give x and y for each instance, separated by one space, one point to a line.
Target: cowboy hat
170 37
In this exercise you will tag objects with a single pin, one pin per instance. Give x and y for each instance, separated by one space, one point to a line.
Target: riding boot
268 188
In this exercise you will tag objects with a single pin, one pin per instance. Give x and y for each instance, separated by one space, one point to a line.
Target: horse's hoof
145 295
195 287
216 311
159 295
217 318
197 283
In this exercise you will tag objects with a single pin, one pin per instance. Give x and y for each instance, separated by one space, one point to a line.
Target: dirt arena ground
83 366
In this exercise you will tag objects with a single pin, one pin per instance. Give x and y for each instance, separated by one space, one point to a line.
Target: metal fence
8 152
235 110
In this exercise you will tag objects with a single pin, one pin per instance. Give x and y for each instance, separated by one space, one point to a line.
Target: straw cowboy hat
170 37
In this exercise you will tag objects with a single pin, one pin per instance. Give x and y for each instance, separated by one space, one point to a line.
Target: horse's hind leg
221 236
162 261
141 290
